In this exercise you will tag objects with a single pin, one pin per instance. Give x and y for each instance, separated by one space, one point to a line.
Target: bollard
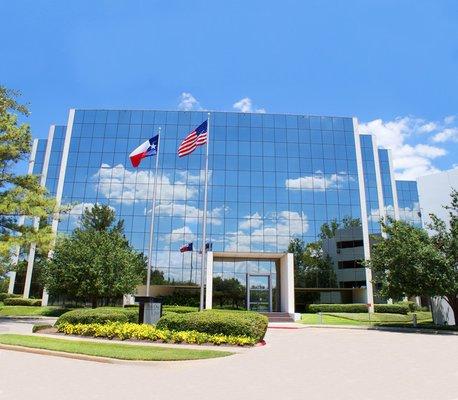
321 317
414 320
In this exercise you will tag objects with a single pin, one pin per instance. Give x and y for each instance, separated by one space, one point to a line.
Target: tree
410 263
20 195
96 261
445 240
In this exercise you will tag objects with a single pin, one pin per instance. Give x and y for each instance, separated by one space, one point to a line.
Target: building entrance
259 292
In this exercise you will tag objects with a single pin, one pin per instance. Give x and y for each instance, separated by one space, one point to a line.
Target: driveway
295 364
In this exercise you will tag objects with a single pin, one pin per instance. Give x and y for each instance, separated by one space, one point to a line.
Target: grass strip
110 350
30 311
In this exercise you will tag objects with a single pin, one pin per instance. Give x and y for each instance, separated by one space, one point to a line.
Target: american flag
197 137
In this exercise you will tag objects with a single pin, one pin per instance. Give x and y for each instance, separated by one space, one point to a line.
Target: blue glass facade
272 178
409 206
387 179
370 184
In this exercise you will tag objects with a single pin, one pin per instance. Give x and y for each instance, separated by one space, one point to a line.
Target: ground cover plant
123 331
112 350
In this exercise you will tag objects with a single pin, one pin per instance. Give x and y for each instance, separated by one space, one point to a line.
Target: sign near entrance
153 312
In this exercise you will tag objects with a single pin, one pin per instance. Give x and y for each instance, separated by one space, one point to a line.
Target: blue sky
393 64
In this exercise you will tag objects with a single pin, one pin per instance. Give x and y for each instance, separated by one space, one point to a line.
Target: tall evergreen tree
20 195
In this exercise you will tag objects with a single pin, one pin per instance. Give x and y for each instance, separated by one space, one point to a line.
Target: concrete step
278 316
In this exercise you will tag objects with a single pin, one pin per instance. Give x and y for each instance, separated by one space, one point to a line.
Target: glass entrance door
259 292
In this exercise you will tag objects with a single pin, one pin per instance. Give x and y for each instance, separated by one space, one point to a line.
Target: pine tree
20 195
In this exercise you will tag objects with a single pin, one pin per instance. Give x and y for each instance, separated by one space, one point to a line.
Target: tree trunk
452 300
94 302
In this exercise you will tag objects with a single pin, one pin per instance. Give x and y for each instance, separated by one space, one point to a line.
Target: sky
392 64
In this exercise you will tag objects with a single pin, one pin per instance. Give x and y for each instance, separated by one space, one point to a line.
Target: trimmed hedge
358 308
19 301
179 309
392 308
125 331
230 323
4 296
99 316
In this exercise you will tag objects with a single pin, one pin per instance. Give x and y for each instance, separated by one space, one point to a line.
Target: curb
424 331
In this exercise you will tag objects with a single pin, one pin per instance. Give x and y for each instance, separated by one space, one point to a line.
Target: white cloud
125 186
317 183
245 105
278 231
191 212
183 234
251 221
409 160
427 127
449 119
188 102
448 134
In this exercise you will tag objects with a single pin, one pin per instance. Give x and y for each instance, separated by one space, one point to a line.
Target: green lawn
30 311
111 350
363 319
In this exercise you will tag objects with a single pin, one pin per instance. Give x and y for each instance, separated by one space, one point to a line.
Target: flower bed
123 331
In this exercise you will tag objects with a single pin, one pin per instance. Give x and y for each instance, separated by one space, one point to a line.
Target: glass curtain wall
409 206
272 178
387 189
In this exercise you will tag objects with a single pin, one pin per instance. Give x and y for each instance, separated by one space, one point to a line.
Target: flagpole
153 211
204 229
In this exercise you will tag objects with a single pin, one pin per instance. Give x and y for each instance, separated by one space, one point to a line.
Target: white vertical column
378 180
36 221
60 187
209 282
393 186
287 283
362 199
31 255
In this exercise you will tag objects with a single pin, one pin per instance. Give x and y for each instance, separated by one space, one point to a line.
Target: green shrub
358 308
339 308
99 315
54 311
125 331
179 309
4 296
230 323
392 308
19 301
40 327
92 316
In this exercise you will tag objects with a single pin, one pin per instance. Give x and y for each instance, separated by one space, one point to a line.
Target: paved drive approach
306 363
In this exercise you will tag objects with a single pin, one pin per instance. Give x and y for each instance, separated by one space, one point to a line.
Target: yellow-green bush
129 330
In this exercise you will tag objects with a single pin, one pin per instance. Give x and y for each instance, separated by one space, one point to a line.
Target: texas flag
147 149
186 247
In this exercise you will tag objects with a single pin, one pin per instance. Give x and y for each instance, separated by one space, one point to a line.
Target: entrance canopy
284 262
